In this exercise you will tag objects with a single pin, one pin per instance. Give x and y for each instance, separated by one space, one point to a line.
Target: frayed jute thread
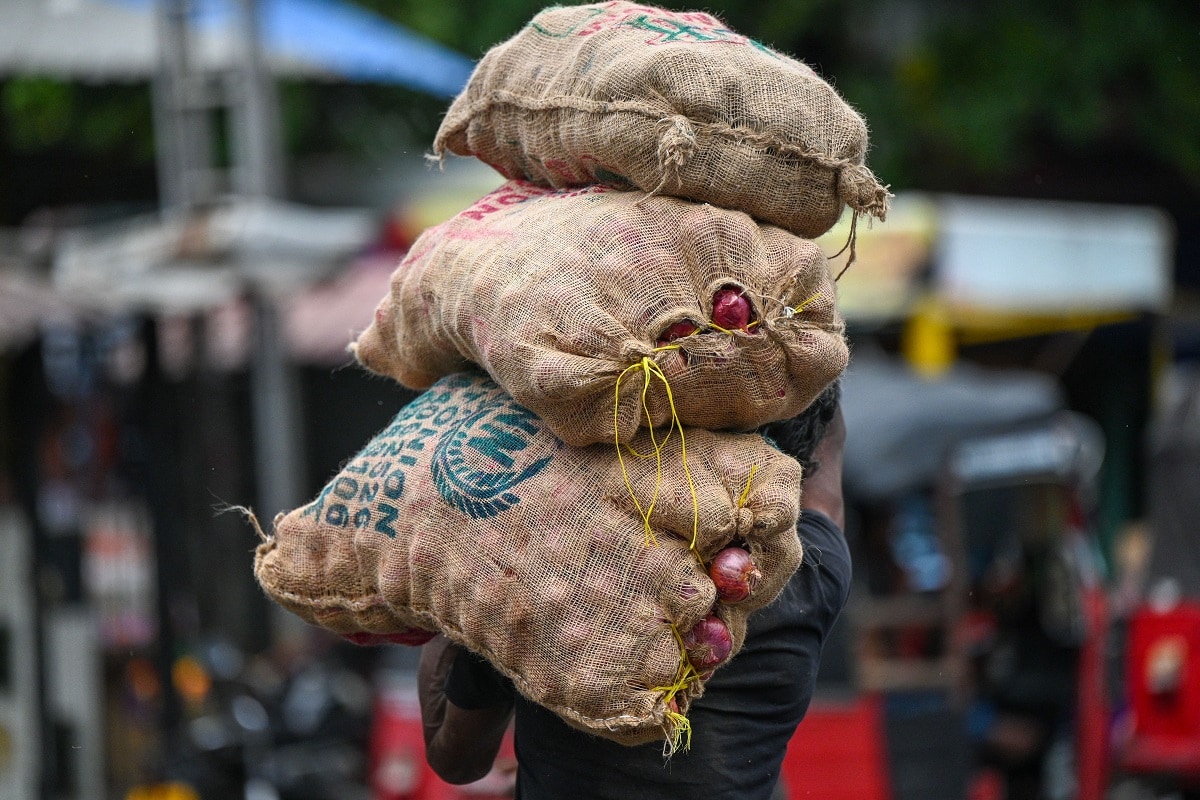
248 515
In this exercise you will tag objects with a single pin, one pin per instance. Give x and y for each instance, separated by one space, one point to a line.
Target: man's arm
460 743
822 487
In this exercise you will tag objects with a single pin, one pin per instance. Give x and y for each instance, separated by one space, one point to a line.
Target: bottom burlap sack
572 570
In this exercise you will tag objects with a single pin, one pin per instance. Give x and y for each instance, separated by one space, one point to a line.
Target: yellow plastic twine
791 311
652 370
680 727
714 326
685 675
745 495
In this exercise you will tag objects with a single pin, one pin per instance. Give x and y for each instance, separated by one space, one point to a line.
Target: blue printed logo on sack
482 459
482 454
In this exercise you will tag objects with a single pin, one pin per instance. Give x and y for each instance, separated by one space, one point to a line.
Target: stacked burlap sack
560 295
639 97
595 338
468 516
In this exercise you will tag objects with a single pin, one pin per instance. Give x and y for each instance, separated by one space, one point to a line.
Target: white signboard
1039 257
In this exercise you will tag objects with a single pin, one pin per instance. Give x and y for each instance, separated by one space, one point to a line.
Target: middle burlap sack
566 298
641 97
466 515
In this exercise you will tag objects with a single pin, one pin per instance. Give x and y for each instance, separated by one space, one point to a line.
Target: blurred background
201 202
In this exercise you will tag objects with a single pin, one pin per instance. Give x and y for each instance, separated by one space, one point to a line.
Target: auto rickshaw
975 632
1156 740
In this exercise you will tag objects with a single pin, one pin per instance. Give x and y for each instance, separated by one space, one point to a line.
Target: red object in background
988 784
398 770
1092 722
1163 683
839 753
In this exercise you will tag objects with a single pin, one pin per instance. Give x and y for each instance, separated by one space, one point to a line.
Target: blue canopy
361 46
336 38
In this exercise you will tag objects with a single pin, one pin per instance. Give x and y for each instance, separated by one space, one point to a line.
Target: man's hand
460 744
437 656
822 488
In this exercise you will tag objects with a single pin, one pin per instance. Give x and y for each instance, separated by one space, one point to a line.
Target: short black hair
800 435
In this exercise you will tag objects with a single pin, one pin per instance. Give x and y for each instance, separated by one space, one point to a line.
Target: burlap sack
560 294
467 516
635 96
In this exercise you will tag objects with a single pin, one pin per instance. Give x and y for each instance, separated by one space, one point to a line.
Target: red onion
678 330
708 644
734 574
731 310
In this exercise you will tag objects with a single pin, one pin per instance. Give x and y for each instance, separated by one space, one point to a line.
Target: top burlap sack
567 299
466 515
638 97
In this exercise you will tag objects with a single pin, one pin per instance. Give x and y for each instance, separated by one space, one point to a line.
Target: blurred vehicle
1157 743
1033 629
977 627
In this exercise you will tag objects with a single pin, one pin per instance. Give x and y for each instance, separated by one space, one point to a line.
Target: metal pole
159 411
183 129
168 132
276 415
255 115
257 176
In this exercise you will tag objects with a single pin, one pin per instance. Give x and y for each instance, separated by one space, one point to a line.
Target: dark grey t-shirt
740 726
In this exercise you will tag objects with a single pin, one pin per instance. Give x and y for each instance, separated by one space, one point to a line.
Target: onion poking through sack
547 292
677 330
731 310
733 573
708 643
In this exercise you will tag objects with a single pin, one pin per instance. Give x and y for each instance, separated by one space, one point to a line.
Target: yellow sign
163 791
883 282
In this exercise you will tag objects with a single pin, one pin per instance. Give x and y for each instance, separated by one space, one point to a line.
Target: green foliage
986 91
42 114
469 26
958 95
371 123
38 112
